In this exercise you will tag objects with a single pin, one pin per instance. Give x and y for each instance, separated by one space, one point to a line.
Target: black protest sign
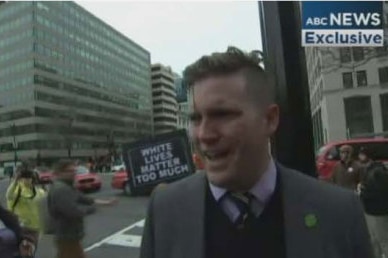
164 158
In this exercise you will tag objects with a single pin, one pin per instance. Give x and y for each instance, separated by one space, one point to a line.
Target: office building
183 108
181 89
165 105
183 116
348 92
70 85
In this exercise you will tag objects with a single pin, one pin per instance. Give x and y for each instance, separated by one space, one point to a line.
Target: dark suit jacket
175 223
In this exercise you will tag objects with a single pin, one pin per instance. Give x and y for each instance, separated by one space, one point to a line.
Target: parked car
117 167
328 155
45 175
85 180
120 181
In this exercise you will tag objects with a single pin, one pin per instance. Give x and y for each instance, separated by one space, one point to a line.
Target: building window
358 114
361 79
381 50
383 74
317 129
345 55
384 110
358 53
347 79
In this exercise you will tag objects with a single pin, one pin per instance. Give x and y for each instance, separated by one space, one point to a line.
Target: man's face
344 155
230 132
68 174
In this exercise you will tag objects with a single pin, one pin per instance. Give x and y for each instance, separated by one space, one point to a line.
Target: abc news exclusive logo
327 23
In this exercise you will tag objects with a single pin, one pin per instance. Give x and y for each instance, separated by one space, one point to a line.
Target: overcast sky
178 33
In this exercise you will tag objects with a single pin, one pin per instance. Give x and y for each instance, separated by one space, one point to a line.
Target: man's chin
220 179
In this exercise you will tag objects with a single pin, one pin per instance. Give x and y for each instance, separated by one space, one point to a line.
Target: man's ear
272 118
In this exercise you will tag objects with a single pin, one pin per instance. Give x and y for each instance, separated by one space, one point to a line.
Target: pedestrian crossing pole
284 58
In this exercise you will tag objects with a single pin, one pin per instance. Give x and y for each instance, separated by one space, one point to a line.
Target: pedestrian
68 208
347 172
23 196
374 195
246 204
367 162
10 234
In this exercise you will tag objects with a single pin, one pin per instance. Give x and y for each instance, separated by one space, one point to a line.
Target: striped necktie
243 202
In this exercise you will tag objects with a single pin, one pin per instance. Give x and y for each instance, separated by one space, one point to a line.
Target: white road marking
115 237
125 240
141 223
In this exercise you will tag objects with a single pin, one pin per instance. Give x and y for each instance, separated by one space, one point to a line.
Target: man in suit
245 204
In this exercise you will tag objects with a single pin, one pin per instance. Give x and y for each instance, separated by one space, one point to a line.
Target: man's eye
223 113
194 117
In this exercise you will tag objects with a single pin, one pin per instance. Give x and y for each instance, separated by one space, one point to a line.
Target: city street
111 232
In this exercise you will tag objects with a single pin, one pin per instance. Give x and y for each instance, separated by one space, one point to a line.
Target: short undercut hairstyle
259 84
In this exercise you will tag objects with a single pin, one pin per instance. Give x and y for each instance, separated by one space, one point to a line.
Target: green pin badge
310 220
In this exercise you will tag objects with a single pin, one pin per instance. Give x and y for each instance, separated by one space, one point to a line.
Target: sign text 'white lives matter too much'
164 158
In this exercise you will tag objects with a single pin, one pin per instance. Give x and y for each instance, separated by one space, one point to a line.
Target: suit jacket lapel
192 223
303 236
302 240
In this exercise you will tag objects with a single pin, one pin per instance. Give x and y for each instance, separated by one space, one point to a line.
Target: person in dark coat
347 171
373 191
10 234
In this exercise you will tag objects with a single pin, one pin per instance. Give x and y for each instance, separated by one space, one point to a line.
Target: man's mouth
215 155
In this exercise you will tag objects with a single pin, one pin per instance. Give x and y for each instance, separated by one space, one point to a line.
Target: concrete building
348 92
70 85
165 105
183 116
183 107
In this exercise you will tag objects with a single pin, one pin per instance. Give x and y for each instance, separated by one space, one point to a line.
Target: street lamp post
111 145
15 144
69 140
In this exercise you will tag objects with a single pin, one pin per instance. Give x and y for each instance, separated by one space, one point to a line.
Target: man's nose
207 132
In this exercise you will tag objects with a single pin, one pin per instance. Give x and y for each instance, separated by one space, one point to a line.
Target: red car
86 180
45 175
120 181
328 155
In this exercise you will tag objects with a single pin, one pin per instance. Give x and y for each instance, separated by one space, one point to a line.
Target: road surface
111 232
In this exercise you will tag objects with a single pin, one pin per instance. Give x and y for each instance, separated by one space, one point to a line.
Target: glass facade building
181 89
70 85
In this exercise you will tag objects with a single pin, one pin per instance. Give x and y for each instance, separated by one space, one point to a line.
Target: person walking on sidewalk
347 172
68 208
373 191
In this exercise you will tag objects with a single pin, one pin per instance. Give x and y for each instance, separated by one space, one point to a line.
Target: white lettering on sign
146 177
158 157
159 163
174 171
157 149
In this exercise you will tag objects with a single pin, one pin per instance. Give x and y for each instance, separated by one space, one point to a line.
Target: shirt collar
262 190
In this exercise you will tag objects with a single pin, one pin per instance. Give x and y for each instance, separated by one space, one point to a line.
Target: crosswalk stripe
118 234
125 240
